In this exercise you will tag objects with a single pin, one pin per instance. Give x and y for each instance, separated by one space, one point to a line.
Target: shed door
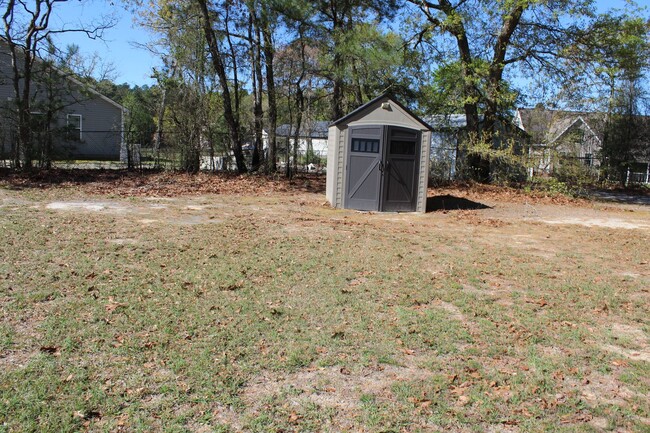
363 183
400 184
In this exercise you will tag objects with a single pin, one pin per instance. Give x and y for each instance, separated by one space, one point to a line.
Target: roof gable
548 126
378 104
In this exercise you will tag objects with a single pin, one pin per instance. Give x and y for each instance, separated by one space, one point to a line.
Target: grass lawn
149 306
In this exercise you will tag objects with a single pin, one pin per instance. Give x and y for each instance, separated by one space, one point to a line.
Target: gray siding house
85 124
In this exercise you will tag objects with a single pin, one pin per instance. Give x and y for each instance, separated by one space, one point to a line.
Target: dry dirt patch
615 223
639 340
331 387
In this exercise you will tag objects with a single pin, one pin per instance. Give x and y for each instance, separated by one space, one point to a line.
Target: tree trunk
270 89
474 161
230 116
160 123
254 36
300 106
337 90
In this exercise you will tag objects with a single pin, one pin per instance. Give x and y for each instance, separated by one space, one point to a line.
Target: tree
218 58
493 37
255 38
264 22
139 122
26 29
624 58
336 24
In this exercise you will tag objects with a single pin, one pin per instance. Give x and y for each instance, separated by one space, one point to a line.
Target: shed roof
382 98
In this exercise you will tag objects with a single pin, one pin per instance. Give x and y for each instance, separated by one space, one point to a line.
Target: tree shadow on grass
449 202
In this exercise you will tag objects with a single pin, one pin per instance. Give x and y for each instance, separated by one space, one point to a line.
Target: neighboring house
450 130
557 134
312 140
85 123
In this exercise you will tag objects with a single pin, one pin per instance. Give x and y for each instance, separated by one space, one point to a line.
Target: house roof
547 126
385 96
315 129
447 121
4 43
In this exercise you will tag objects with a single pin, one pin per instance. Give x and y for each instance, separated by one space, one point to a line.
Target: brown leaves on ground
162 183
499 193
152 183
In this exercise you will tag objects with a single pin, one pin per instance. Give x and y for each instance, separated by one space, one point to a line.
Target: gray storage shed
378 159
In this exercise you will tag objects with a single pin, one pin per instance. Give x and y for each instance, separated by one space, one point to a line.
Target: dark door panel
382 169
401 170
363 184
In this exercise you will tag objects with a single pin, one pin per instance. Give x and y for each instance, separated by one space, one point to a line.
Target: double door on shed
382 168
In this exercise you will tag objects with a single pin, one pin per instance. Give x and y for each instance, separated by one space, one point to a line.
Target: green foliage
139 125
445 93
503 156
573 173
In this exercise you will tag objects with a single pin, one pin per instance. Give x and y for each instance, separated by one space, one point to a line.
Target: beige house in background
559 133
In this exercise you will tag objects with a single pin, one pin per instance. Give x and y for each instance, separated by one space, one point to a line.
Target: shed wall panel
332 166
424 172
342 155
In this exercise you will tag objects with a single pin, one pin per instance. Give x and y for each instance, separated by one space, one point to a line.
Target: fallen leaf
52 350
113 305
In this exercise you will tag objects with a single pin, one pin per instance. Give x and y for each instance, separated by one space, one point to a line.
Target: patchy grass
274 313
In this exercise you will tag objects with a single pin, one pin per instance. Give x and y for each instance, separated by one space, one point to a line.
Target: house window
365 145
74 127
588 160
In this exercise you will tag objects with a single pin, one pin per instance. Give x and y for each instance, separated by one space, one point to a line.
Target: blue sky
133 65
